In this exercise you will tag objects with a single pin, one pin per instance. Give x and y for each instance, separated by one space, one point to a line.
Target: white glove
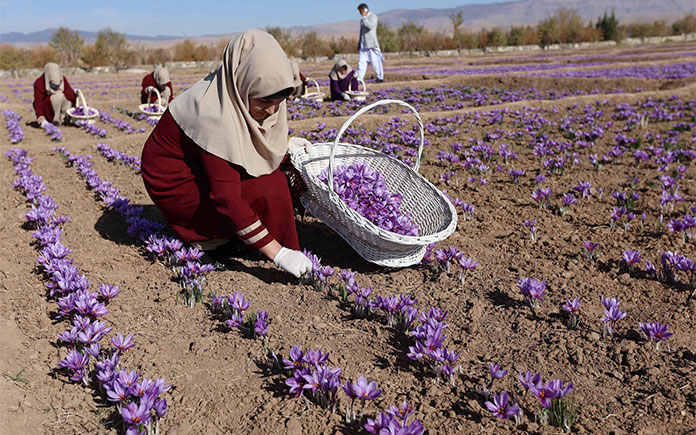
44 123
345 96
293 262
149 89
297 143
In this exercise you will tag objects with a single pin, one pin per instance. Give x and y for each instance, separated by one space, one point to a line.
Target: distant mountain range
524 12
45 35
476 16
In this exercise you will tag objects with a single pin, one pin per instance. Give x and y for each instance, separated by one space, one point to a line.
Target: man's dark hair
280 94
362 6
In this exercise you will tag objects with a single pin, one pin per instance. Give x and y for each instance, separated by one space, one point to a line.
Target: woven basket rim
373 228
72 109
143 106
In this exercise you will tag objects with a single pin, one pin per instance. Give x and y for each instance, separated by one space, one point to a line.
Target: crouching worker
341 79
159 79
211 165
53 96
300 81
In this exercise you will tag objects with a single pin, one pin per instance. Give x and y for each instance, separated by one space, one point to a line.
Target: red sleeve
226 192
148 80
303 79
69 92
171 91
39 97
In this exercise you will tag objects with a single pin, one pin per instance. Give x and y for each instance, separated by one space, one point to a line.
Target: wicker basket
160 107
82 103
428 206
357 94
314 96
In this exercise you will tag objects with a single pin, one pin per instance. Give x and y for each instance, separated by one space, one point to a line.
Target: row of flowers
137 398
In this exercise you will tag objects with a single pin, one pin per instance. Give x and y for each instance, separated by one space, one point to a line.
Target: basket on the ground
89 112
357 94
429 208
153 109
313 96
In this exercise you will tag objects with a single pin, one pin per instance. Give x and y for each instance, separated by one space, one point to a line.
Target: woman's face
343 69
262 108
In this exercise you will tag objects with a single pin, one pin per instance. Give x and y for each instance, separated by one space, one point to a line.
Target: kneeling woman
342 79
159 79
211 163
53 96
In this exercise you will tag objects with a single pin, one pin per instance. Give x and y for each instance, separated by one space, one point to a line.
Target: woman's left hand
296 143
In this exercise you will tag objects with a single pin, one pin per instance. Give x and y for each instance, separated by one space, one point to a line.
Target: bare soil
220 383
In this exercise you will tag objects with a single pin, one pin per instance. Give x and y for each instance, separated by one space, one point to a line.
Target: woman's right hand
297 143
293 262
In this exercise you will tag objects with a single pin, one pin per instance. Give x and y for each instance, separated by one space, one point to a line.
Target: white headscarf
335 73
296 74
53 74
214 112
161 76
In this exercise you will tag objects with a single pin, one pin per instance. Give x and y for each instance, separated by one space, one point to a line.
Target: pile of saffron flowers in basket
365 191
153 108
80 111
136 397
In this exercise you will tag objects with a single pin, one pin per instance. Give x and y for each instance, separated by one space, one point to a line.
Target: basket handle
315 85
345 126
159 97
81 99
363 84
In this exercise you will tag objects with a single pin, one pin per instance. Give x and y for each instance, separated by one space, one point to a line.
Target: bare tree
67 45
112 47
457 20
410 36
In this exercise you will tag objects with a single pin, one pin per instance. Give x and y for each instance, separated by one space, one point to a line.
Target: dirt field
222 382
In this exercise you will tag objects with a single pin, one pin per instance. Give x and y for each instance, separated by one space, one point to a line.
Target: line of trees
110 48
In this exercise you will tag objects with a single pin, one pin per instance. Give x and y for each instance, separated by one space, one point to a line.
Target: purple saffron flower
533 291
496 372
655 331
160 408
611 316
261 324
630 258
362 389
500 407
121 343
528 380
573 309
134 414
296 358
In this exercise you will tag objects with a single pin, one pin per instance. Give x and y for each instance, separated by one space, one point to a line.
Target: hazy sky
190 17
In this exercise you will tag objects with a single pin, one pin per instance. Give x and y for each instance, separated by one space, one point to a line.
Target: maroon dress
42 101
204 197
149 80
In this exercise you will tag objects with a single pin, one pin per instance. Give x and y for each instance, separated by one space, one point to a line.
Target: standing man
368 46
